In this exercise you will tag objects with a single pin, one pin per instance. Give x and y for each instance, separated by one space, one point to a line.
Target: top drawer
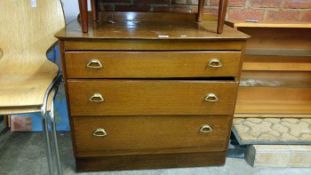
152 64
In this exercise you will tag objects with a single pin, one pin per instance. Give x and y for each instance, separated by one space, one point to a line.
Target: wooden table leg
200 10
83 15
222 10
94 4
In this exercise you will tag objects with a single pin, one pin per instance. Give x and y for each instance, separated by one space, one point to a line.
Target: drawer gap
170 78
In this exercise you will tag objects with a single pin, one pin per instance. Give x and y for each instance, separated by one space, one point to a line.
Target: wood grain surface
146 64
26 34
149 96
137 135
272 100
152 45
152 97
152 26
172 160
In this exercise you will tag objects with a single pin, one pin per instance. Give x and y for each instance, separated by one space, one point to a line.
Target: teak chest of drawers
150 95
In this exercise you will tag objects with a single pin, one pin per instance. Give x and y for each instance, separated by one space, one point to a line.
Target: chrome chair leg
55 142
49 123
45 127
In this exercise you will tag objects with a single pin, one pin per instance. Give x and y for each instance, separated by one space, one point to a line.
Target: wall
240 10
271 10
71 9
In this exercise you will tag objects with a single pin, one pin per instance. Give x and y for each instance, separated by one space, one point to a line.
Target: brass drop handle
215 63
206 129
96 98
99 132
94 64
211 97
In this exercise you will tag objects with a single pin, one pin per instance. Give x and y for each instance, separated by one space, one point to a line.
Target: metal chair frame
48 123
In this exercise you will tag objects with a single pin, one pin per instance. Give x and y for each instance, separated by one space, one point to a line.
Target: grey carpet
23 154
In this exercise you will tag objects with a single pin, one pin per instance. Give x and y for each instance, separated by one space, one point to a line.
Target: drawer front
155 44
151 64
151 97
100 136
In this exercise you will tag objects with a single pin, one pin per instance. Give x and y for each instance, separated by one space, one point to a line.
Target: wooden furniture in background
83 6
28 79
276 73
148 94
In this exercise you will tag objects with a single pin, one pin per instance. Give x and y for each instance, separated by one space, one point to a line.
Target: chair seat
25 89
26 109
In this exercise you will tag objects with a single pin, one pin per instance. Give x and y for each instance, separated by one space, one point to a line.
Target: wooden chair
28 79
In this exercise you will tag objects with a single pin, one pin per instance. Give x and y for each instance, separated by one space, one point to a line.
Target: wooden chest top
134 25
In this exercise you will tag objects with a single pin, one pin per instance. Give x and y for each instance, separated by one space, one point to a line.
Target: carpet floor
24 154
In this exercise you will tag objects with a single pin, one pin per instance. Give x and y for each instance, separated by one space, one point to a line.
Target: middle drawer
152 64
152 97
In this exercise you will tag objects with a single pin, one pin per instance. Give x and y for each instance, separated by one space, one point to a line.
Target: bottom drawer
124 135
